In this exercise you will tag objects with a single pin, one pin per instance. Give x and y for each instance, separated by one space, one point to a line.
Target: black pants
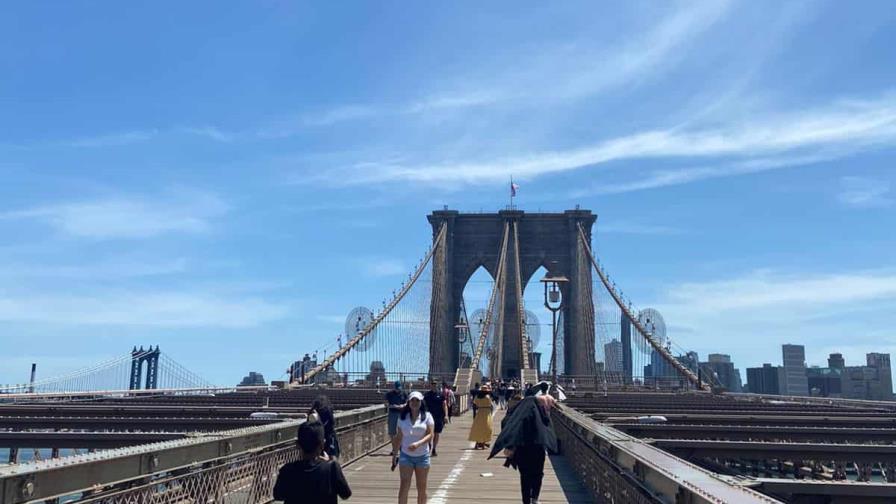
530 463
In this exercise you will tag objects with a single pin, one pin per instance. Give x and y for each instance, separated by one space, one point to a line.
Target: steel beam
756 432
99 440
767 450
672 479
835 492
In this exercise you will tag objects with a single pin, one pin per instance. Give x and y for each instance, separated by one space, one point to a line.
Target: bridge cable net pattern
396 344
114 375
489 345
520 304
649 360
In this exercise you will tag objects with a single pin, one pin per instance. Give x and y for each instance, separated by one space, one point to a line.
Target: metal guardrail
620 468
239 462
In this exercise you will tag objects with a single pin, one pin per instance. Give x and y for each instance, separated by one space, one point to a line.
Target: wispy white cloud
331 319
340 113
750 315
766 289
679 176
211 132
129 217
379 267
862 192
156 309
637 228
111 139
847 125
115 270
641 55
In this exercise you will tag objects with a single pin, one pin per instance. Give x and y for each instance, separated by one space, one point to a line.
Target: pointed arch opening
538 322
476 293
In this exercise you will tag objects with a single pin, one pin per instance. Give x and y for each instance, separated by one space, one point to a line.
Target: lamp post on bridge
460 342
553 301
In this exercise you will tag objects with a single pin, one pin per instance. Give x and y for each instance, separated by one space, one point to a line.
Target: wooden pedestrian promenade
461 474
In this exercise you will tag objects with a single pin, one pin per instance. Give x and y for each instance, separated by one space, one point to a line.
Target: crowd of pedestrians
415 422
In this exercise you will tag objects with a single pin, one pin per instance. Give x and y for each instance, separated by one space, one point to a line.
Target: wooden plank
456 475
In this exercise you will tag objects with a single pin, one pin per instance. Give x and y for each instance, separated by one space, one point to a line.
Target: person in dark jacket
322 410
526 432
311 479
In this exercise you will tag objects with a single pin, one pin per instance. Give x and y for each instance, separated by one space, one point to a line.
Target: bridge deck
459 474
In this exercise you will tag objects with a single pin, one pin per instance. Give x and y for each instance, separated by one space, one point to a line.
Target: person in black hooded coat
526 432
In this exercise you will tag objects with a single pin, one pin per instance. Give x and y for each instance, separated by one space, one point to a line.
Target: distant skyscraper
767 379
252 379
613 357
728 376
796 382
881 362
836 361
690 360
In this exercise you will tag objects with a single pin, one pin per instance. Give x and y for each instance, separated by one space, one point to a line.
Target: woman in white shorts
415 431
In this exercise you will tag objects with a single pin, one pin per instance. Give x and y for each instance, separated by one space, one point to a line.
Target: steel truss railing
370 328
497 289
636 323
238 465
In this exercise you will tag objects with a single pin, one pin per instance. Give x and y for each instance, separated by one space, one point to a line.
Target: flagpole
511 192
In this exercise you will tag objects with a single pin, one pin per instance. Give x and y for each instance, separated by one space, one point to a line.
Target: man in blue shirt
438 408
395 401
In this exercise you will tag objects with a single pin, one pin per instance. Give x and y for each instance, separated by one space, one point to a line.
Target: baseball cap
415 395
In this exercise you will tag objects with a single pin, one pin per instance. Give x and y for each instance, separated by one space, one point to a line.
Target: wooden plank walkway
459 475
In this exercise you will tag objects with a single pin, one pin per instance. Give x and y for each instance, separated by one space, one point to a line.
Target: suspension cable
681 368
483 335
521 308
363 333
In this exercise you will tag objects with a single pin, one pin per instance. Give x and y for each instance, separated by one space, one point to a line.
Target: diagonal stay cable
521 308
636 323
483 335
352 343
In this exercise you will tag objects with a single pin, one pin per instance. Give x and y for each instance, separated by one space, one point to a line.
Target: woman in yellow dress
481 431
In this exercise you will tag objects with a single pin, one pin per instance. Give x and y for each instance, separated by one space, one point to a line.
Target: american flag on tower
513 189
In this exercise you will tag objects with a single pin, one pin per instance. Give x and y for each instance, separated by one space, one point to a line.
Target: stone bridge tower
545 239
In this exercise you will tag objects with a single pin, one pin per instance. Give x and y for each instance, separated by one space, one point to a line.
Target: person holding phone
415 431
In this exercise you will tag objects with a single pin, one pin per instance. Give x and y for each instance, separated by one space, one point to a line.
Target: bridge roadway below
463 475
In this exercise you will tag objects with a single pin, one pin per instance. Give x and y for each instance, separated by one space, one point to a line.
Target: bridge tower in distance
551 240
151 358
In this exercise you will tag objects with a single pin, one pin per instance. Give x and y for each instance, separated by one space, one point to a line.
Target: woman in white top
415 431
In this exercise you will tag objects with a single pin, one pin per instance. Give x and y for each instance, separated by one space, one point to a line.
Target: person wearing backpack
311 479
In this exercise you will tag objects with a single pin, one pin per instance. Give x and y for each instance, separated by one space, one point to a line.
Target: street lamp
461 337
553 301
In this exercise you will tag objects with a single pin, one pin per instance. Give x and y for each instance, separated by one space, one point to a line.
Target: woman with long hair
322 410
481 430
415 431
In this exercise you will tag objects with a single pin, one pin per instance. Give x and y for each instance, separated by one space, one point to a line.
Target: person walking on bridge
526 432
311 479
481 430
396 400
323 412
437 406
415 431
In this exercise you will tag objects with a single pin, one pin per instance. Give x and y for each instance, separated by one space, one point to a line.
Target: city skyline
230 183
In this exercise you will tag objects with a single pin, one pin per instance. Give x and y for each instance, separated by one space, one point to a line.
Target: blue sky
229 180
